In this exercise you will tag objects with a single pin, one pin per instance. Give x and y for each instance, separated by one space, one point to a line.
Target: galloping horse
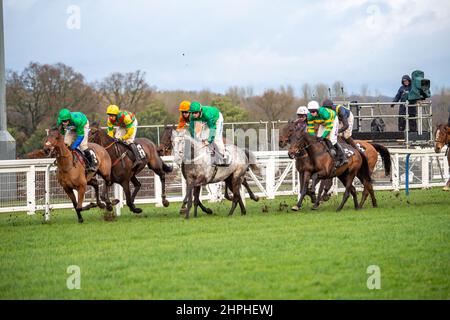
122 171
71 172
323 167
166 148
441 139
195 161
370 150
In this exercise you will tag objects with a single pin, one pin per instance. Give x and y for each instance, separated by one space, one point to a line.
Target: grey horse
195 161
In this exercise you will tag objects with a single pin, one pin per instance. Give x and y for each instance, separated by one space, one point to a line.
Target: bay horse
370 150
194 159
165 148
71 172
441 139
122 171
323 167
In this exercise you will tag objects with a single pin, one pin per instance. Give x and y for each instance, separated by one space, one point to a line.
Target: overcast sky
215 44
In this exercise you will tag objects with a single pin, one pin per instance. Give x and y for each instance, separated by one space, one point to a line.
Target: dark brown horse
441 139
122 171
71 172
165 148
323 166
370 150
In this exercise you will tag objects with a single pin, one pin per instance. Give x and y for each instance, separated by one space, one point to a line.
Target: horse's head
95 132
178 139
285 134
54 139
440 139
298 144
165 146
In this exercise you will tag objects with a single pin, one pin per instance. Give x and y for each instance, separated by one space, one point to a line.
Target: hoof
92 205
445 188
115 201
80 220
165 203
208 211
295 208
137 210
256 199
109 208
315 207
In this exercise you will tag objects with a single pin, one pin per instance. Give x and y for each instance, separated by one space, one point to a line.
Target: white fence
31 185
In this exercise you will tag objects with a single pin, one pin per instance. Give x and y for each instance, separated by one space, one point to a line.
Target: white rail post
426 171
270 177
158 191
183 185
118 194
47 193
446 171
31 190
396 173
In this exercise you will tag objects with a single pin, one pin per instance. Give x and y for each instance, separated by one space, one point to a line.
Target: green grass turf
264 255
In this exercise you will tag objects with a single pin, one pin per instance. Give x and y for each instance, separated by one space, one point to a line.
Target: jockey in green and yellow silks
328 124
127 128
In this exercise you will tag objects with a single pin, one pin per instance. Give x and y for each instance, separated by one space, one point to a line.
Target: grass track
273 255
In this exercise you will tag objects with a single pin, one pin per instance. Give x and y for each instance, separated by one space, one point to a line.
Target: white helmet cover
313 105
302 110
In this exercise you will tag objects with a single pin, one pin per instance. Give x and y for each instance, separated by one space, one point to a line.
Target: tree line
36 94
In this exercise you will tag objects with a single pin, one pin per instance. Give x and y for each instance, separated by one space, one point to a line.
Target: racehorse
122 171
166 148
441 139
323 166
370 150
71 172
194 159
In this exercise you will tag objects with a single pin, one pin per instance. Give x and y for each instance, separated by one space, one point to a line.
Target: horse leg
236 195
237 191
250 192
162 177
72 197
137 187
304 182
347 183
196 200
189 190
315 179
227 186
126 189
95 184
204 209
355 196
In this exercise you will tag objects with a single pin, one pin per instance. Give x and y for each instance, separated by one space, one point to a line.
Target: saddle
129 151
218 159
84 161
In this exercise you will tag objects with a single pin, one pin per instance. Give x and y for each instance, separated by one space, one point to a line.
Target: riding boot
137 156
90 166
340 155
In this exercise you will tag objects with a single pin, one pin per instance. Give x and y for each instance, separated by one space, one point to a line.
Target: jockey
345 117
302 118
184 114
214 120
75 128
127 123
328 127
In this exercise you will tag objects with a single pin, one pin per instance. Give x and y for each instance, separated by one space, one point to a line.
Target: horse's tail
385 156
252 160
364 171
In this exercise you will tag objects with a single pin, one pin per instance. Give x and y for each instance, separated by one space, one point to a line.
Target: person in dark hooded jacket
402 96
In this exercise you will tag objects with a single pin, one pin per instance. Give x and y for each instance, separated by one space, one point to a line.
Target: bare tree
276 104
321 92
364 92
124 89
306 92
338 90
